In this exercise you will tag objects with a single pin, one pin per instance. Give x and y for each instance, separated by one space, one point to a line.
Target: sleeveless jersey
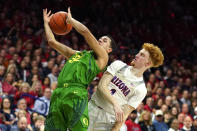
125 87
81 68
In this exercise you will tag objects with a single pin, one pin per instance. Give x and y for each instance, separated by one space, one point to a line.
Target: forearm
48 32
103 88
79 27
106 93
59 47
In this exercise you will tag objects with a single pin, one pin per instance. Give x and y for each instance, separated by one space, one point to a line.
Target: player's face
141 59
105 41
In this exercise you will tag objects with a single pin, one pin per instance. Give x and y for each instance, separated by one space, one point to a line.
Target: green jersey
80 68
69 102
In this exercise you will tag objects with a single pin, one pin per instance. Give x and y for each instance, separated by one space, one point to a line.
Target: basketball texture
58 23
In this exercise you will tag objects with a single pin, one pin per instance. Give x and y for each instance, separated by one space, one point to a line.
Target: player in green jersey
68 107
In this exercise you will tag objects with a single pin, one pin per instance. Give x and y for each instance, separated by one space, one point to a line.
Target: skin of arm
62 49
102 55
103 89
127 109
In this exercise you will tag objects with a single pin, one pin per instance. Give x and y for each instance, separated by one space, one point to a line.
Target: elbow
101 87
51 40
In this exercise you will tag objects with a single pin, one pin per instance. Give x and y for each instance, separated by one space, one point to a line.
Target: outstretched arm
103 88
62 49
91 40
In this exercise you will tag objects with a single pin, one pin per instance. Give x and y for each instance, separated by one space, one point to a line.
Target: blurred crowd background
29 67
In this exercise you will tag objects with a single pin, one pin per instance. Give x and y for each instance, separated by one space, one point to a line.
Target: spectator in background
22 105
168 78
174 112
149 104
158 122
21 125
167 92
7 87
34 71
39 123
23 71
53 86
159 103
53 75
167 118
24 92
46 83
193 106
194 127
19 114
130 123
187 124
9 114
158 75
36 89
185 109
139 110
42 104
152 83
47 70
181 118
164 108
185 98
158 94
33 118
168 102
2 72
13 70
174 125
187 84
145 121
194 95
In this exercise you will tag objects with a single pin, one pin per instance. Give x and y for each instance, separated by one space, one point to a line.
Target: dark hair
3 101
112 44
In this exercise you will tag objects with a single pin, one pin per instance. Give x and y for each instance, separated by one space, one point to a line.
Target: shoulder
118 62
14 128
115 66
141 89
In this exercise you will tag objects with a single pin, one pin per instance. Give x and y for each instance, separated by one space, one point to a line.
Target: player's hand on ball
69 17
46 15
118 112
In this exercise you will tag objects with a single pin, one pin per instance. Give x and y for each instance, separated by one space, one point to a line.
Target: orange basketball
58 23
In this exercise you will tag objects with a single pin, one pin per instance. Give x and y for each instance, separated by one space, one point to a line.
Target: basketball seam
56 23
64 21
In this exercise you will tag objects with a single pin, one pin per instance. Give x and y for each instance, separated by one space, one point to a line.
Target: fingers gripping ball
58 23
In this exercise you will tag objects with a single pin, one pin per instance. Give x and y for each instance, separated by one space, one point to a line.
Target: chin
132 63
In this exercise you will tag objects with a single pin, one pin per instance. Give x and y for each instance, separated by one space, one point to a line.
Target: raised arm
102 55
59 47
103 88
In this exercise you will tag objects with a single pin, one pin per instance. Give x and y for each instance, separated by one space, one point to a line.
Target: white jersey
125 87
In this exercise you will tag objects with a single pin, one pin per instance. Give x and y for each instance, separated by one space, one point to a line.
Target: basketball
58 23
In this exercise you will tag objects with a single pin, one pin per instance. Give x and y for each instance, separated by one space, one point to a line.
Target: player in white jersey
121 90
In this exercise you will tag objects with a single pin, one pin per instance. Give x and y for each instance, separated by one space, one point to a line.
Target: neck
146 122
137 72
6 109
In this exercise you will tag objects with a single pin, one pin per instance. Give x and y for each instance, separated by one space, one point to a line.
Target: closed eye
104 39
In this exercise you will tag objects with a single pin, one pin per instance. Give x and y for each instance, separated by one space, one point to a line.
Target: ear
109 50
148 64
